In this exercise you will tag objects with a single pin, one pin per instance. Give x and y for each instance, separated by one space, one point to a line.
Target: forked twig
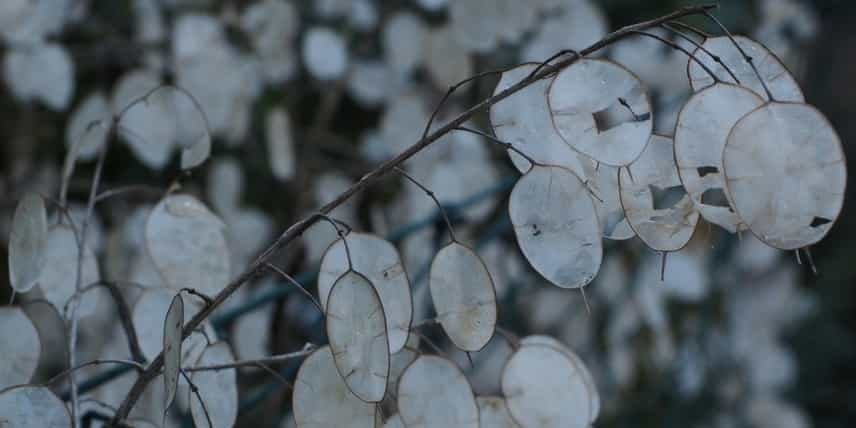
699 46
433 197
746 56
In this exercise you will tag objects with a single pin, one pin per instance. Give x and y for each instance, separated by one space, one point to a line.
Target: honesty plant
746 154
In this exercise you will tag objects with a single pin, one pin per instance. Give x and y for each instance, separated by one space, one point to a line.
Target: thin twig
125 318
451 90
134 188
276 375
678 47
585 300
746 56
195 390
698 31
699 46
504 144
294 282
550 59
81 250
68 372
810 259
433 197
335 224
274 359
257 268
194 292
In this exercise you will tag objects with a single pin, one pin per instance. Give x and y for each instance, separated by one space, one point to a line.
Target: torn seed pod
785 174
654 199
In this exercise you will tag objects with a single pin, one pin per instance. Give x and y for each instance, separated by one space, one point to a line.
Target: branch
257 268
273 359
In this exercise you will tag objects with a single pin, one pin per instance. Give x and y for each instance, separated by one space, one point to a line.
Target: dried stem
746 56
294 282
431 195
505 144
258 266
701 47
195 390
274 359
81 246
678 47
68 372
134 188
697 31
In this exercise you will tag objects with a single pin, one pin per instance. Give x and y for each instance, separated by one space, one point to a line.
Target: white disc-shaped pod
434 393
218 389
655 202
556 226
586 375
700 136
602 110
21 347
356 328
28 237
322 399
544 387
464 296
773 72
379 261
32 406
524 120
785 173
187 244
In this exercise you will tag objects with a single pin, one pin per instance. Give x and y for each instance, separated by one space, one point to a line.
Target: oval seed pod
524 121
602 110
700 136
464 296
356 327
322 399
187 244
21 347
59 275
32 406
594 395
543 388
654 200
785 173
378 260
556 226
28 237
776 76
493 412
172 326
434 393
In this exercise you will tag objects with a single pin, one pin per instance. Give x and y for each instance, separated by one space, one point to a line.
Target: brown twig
433 197
274 359
258 266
